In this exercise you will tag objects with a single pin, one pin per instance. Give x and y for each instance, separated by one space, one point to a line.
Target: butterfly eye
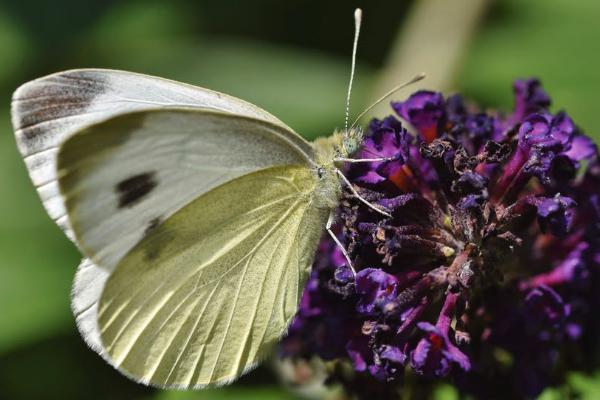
350 146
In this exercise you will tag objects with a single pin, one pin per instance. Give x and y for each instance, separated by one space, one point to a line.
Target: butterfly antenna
357 22
415 79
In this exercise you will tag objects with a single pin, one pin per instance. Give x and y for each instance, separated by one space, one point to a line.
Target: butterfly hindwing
87 288
202 298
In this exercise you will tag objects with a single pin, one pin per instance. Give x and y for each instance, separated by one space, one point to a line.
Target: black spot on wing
152 225
159 239
132 190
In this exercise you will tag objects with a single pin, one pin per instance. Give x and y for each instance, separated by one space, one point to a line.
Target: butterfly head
351 141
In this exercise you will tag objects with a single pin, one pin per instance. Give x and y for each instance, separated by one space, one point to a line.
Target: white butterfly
198 215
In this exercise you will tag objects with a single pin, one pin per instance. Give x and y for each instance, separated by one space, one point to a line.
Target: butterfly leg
330 221
359 197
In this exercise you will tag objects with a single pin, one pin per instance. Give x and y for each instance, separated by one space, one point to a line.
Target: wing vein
243 345
160 359
277 224
189 338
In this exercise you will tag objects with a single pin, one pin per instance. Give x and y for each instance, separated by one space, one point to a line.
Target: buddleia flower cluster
487 274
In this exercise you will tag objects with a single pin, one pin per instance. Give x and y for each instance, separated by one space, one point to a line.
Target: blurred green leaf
555 40
140 20
578 386
15 47
585 387
305 89
62 367
551 394
225 393
37 262
445 392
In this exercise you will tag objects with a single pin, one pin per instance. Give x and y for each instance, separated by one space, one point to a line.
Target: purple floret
435 354
375 289
425 111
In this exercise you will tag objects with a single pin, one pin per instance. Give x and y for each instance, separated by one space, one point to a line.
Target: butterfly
198 215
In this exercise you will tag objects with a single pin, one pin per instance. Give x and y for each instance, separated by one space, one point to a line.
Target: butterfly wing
85 294
49 110
202 298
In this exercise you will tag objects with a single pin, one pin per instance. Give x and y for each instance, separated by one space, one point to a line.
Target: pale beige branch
433 40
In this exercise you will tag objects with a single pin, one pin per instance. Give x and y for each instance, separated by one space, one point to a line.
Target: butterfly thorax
341 144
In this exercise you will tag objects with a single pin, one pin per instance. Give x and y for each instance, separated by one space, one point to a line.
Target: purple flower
547 312
388 139
572 270
425 111
384 362
555 214
543 143
488 270
375 289
582 148
360 352
530 98
435 353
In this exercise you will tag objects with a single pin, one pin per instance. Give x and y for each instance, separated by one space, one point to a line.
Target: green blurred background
290 57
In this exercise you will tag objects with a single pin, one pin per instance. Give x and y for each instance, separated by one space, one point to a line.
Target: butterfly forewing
203 297
123 177
47 111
